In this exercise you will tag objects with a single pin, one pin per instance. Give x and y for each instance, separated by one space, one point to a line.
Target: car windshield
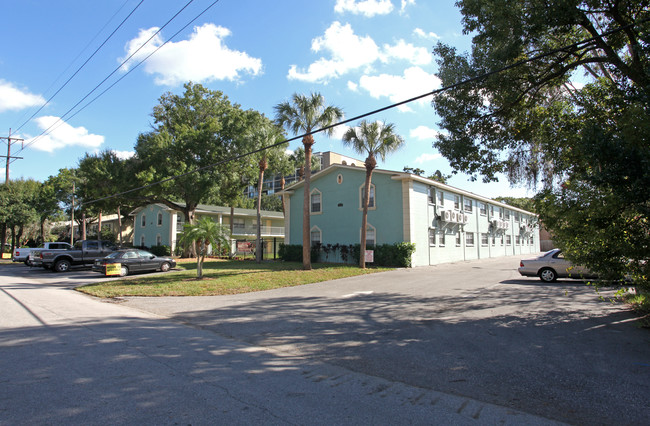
114 255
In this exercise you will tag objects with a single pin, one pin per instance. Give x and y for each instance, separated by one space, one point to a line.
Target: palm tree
306 114
372 139
265 136
205 232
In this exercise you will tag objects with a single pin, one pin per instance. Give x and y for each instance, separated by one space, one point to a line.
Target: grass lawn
222 277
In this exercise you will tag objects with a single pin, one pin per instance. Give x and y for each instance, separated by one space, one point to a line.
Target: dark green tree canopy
511 122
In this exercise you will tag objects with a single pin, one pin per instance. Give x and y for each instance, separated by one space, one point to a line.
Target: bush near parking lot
398 254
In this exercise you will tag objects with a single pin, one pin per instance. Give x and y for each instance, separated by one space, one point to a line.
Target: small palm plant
204 232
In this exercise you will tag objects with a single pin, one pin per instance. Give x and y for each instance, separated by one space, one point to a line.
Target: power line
82 65
60 120
376 111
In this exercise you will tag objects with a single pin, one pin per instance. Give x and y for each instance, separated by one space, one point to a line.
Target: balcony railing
267 231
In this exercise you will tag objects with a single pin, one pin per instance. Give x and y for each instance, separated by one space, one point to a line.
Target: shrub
398 254
162 250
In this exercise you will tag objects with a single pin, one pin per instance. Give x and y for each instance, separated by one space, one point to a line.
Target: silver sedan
551 266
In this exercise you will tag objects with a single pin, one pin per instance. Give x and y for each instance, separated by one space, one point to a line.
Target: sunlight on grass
223 277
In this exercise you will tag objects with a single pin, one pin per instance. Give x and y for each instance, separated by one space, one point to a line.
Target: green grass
221 277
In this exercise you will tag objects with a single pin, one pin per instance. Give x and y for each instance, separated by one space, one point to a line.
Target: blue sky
360 54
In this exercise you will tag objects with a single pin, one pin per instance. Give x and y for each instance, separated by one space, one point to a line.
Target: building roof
210 209
403 176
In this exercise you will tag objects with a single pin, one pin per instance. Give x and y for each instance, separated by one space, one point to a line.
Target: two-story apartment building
158 224
446 224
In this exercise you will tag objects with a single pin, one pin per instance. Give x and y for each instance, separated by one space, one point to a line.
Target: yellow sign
6 255
113 268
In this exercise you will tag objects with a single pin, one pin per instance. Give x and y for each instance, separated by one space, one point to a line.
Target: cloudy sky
73 80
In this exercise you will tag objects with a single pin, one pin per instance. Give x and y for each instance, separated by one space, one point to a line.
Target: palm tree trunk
308 141
370 165
258 241
119 226
99 226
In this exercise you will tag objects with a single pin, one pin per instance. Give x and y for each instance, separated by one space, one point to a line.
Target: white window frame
442 238
469 236
432 237
311 202
371 228
431 195
459 241
508 240
158 240
142 241
159 219
143 221
372 201
441 198
468 205
315 230
482 208
485 239
456 202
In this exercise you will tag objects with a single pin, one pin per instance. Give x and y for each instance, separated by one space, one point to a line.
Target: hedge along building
446 224
158 224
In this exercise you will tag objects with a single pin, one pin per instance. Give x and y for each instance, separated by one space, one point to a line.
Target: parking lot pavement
67 358
474 329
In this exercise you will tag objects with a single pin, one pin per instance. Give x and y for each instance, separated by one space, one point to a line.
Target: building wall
404 212
341 213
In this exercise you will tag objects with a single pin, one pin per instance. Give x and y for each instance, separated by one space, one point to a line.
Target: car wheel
124 271
62 266
547 275
165 267
27 262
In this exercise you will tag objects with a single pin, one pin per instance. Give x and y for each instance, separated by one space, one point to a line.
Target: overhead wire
60 119
483 76
85 62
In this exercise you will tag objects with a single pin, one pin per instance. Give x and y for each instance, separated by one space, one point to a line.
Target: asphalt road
467 343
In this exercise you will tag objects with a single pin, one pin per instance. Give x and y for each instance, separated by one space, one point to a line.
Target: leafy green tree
438 176
413 170
373 139
196 130
305 114
47 206
17 200
586 146
523 203
204 232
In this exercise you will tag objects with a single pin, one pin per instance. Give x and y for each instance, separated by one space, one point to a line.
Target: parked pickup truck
22 254
83 253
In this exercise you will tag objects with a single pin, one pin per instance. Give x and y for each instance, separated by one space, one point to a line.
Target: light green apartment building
158 224
446 224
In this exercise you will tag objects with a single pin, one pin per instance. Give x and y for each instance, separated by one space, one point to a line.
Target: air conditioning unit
454 217
446 215
465 218
495 223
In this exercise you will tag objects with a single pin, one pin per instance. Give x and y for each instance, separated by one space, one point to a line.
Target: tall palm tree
205 232
305 114
373 139
266 136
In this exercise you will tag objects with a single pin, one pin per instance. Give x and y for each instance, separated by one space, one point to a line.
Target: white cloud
203 57
423 133
421 33
353 86
369 8
414 82
408 52
425 158
339 131
346 51
62 135
15 99
406 3
123 155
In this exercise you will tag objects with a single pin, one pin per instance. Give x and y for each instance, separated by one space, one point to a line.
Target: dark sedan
124 262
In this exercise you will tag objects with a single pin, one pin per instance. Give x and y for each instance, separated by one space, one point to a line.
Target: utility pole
10 140
3 227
